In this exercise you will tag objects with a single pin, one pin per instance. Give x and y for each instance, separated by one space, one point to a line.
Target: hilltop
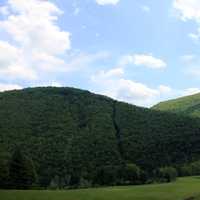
189 105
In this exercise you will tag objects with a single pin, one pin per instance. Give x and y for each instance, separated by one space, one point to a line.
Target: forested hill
189 105
68 131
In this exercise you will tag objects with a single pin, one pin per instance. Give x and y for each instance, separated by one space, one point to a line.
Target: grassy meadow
182 189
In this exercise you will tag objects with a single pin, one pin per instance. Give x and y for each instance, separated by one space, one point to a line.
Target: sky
138 51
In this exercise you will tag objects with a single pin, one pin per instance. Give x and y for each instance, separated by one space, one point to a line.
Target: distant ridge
188 105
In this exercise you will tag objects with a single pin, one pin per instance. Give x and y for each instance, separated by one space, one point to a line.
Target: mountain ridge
187 105
72 131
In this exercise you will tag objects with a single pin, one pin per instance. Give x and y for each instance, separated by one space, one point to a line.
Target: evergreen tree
22 171
4 170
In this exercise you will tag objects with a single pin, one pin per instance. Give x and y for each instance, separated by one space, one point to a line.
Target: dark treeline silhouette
65 138
20 173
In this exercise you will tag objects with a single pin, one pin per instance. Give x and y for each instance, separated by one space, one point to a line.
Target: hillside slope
189 105
71 131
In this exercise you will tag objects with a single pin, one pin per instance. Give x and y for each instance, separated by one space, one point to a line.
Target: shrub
195 167
132 174
166 174
185 170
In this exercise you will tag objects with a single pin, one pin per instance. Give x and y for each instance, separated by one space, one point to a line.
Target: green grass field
182 189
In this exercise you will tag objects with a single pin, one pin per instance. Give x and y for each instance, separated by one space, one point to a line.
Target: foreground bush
166 174
132 174
191 169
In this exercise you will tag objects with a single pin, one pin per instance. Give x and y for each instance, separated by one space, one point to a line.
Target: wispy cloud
127 90
107 2
6 87
189 10
146 60
145 8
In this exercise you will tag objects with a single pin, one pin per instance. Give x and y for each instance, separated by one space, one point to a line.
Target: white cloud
56 84
134 92
107 2
145 60
189 10
116 72
194 36
47 62
48 84
18 72
39 47
190 91
188 58
164 89
12 62
8 54
149 61
6 87
113 73
34 26
39 41
127 90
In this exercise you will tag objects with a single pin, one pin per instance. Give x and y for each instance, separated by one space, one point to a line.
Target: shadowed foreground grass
183 188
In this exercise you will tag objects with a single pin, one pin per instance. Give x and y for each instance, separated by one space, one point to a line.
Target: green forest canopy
67 131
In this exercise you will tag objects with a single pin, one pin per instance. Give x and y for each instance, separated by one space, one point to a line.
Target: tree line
19 173
75 138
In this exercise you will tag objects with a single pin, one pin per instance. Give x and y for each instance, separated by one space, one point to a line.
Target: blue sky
141 52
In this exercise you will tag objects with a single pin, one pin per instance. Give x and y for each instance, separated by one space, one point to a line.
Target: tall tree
22 171
4 169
